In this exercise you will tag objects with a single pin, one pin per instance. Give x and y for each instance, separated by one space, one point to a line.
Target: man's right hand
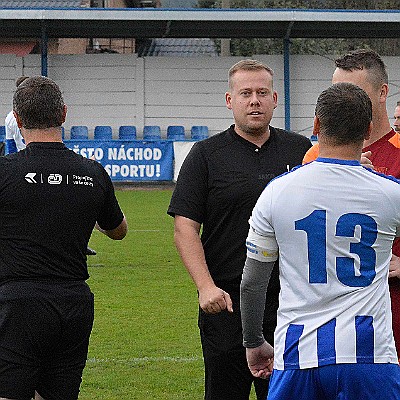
365 160
214 300
261 360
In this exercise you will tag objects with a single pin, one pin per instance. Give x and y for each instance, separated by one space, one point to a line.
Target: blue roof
40 3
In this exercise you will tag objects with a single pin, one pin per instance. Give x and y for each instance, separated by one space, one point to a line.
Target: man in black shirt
217 188
50 201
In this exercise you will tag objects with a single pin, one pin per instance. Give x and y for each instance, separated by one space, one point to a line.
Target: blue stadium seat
79 132
314 138
199 132
176 132
2 133
62 133
127 132
102 132
152 132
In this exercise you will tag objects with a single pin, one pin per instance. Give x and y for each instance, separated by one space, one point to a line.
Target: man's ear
18 119
228 101
384 92
316 126
64 115
368 133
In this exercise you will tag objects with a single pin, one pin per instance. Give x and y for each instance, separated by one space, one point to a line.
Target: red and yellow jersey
385 154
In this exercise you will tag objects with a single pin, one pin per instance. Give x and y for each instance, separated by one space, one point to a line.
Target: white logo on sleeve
30 177
54 179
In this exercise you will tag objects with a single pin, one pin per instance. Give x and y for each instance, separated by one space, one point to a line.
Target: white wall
122 89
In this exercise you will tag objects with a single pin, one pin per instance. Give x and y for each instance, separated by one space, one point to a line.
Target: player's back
334 222
50 199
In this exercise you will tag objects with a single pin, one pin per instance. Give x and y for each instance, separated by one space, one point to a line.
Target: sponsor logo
82 180
382 170
251 247
58 179
30 177
54 179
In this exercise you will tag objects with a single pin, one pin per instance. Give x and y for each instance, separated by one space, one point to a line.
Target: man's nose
254 99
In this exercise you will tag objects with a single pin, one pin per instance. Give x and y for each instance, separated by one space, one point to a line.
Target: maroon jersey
386 159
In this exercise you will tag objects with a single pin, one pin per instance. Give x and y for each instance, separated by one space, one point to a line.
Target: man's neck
257 138
380 127
42 135
345 152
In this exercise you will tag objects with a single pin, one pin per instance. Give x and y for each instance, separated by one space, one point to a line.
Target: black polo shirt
50 200
218 186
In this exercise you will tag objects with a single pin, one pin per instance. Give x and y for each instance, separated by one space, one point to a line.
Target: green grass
145 343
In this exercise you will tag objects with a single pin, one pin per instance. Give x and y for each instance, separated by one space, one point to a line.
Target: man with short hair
50 201
334 338
366 69
217 187
15 142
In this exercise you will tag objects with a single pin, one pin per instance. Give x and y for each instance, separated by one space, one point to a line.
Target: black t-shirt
50 200
218 186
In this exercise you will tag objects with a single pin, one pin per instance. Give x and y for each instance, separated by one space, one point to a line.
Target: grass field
144 343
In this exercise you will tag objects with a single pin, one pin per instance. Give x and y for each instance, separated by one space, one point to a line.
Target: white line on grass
96 232
144 230
141 360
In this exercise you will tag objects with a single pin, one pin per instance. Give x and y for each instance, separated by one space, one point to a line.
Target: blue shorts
337 382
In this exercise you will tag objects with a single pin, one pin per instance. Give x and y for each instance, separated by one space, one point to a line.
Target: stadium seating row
129 132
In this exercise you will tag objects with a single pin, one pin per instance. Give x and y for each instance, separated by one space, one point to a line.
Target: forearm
190 248
253 288
212 299
116 234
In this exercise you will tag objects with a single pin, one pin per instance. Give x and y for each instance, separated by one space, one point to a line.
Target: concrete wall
122 89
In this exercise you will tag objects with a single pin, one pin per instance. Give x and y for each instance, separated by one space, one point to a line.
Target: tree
248 47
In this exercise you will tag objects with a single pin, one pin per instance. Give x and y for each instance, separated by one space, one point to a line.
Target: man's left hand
394 267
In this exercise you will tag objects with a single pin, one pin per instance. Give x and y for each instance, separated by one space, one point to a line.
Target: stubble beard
255 130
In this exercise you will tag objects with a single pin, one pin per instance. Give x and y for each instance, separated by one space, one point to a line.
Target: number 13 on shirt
315 227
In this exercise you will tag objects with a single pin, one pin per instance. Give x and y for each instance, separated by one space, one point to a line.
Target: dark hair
19 80
39 103
365 60
345 112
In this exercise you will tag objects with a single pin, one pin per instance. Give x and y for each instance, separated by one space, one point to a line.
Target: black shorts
44 337
227 375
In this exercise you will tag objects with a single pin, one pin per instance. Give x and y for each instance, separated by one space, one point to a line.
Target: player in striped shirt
366 69
332 223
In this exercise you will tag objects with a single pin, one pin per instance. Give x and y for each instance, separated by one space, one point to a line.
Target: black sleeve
189 198
111 214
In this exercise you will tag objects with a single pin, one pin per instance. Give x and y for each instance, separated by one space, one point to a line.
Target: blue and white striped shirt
334 222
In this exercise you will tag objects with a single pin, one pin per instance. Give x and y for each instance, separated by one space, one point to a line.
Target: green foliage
144 343
253 46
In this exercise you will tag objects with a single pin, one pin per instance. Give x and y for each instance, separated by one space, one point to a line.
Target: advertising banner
129 160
